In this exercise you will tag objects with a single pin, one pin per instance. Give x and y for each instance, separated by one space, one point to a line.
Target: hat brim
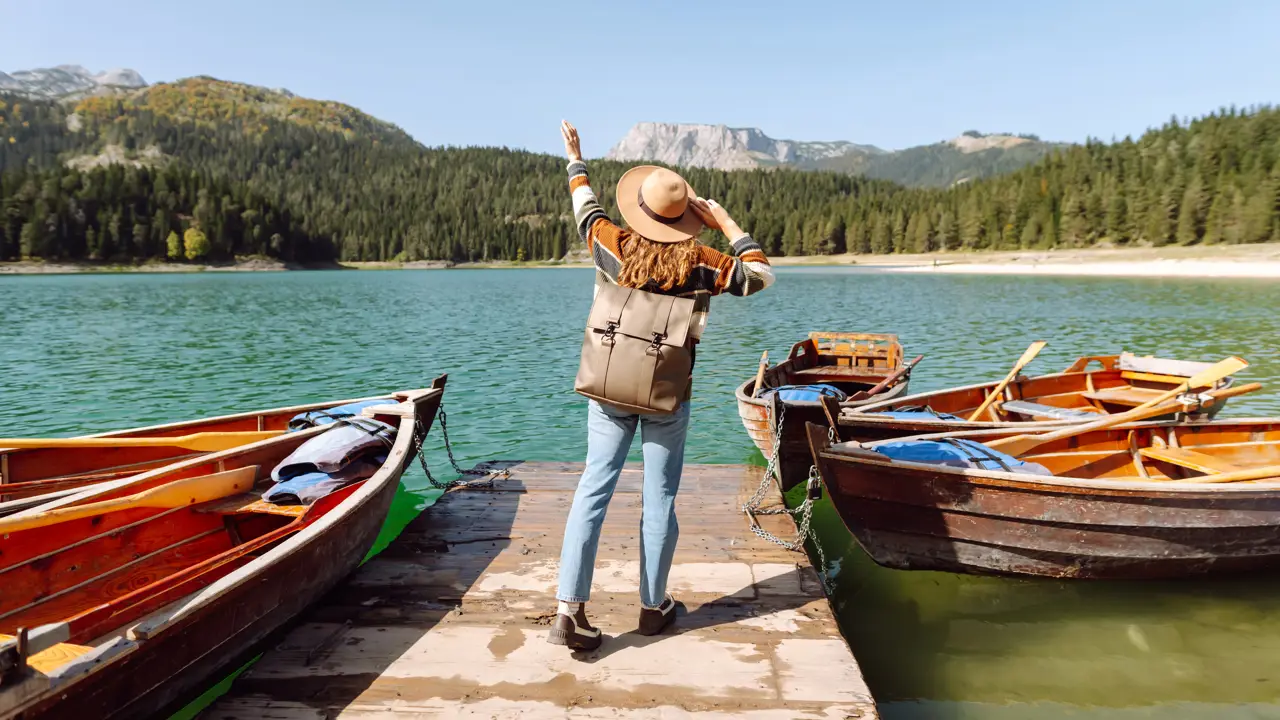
688 226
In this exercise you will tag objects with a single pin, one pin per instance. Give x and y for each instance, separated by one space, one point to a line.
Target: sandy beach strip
1144 268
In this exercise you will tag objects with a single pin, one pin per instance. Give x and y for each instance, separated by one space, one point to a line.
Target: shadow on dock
451 618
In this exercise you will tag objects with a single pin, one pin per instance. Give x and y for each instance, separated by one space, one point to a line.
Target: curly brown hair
666 265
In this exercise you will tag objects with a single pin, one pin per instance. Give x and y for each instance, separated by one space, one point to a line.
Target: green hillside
258 171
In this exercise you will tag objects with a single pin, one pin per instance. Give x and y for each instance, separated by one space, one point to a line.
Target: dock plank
451 619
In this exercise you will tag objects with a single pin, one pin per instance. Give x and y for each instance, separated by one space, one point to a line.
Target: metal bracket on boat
13 657
1194 402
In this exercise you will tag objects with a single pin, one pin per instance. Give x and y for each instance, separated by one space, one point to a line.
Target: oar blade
187 491
200 489
1032 351
1218 371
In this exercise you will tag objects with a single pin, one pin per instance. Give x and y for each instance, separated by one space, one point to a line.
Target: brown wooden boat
852 362
30 477
1089 388
1144 500
123 612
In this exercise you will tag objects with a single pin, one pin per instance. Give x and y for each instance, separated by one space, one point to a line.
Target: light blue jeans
609 435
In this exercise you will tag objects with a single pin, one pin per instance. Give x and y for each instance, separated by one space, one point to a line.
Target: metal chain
804 526
420 435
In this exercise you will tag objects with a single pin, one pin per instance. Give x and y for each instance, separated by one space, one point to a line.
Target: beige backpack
637 354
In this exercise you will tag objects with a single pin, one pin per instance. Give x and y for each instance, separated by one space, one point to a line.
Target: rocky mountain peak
69 82
722 147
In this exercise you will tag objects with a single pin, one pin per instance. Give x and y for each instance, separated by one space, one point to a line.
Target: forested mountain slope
257 171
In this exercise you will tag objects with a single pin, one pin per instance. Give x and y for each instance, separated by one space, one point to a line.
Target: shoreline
1236 261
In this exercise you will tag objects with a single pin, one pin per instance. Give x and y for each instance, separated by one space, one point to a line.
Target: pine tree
899 232
1191 212
860 237
881 236
948 239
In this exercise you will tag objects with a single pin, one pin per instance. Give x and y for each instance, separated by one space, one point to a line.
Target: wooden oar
202 441
885 383
188 491
1020 444
764 364
1247 474
1032 351
1219 371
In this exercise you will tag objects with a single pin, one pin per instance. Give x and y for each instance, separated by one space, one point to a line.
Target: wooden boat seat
1123 395
1025 407
1190 459
54 657
251 502
843 371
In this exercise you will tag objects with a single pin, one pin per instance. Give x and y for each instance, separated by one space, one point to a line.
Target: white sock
659 605
567 608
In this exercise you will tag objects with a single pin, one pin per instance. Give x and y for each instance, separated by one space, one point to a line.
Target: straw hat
655 203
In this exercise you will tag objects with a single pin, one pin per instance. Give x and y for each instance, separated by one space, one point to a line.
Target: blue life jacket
957 452
316 418
925 414
806 393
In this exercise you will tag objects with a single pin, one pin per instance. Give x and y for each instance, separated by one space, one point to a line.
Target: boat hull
794 459
176 661
912 516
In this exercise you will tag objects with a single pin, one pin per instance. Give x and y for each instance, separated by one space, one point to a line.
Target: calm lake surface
94 352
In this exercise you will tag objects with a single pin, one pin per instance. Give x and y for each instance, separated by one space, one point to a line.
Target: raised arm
600 234
747 273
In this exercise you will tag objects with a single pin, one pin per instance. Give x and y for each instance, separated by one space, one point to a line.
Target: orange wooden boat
852 362
1089 388
1139 501
30 477
123 599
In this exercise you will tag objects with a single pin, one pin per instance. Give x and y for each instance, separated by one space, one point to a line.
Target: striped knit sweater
747 273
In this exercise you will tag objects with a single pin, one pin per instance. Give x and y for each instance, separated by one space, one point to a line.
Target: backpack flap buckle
656 345
610 330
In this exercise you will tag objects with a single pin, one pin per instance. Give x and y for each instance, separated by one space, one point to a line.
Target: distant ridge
66 82
969 156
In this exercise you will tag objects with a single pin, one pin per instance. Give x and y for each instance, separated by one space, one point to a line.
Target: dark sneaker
654 621
574 631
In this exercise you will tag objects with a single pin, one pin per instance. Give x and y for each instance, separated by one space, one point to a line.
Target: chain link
804 511
420 435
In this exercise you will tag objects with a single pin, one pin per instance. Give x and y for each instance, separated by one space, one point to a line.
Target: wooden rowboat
1088 389
850 361
1137 501
123 613
26 476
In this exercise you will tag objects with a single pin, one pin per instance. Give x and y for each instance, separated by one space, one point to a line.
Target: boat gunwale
1031 482
183 424
870 409
740 393
129 638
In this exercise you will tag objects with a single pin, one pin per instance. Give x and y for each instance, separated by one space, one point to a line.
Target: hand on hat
572 145
713 215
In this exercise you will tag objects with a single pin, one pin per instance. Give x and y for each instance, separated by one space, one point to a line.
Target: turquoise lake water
94 352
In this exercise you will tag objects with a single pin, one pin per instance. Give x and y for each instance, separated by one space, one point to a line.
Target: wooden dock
450 620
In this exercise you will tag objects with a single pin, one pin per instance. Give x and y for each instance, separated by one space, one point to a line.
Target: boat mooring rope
420 435
804 511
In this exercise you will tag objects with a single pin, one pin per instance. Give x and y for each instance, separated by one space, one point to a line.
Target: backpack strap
615 311
662 320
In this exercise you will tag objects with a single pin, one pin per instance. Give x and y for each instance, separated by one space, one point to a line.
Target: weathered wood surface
1095 518
450 620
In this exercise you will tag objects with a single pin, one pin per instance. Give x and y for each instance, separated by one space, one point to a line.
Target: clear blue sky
503 73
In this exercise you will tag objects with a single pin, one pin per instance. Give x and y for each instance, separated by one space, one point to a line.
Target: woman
659 252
